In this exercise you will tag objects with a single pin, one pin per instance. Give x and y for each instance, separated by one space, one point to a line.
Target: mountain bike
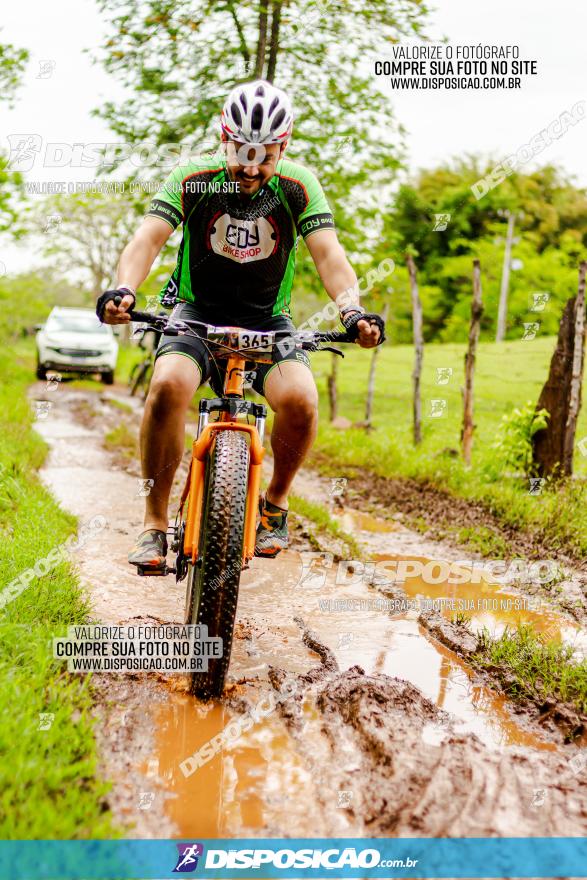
214 532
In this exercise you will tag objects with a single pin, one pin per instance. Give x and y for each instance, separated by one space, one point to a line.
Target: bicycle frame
228 408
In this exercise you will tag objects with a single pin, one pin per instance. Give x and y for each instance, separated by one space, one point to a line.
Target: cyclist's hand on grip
366 329
113 306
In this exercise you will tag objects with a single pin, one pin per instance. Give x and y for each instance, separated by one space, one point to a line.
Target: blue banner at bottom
294 858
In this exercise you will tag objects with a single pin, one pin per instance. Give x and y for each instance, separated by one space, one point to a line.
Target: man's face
251 166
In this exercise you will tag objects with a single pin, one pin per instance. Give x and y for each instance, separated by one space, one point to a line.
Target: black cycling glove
108 296
350 324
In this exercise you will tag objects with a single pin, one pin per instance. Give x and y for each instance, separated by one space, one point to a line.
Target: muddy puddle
486 604
388 699
260 781
261 786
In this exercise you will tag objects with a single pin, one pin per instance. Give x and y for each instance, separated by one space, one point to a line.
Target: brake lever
333 350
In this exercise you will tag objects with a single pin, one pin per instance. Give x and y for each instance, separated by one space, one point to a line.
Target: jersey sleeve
309 205
167 203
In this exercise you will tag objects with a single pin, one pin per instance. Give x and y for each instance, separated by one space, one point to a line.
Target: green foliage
12 64
550 240
514 442
11 187
180 58
27 299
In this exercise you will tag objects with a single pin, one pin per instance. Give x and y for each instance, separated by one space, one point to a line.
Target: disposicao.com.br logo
187 860
283 859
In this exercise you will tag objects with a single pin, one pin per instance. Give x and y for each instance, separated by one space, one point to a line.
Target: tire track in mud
377 755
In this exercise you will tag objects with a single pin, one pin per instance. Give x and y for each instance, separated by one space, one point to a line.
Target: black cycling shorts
214 370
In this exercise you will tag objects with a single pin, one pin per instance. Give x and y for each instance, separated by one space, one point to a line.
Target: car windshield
75 324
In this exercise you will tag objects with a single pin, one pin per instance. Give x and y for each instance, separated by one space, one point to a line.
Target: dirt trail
388 733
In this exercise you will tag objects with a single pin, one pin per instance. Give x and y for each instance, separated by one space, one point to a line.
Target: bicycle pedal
149 571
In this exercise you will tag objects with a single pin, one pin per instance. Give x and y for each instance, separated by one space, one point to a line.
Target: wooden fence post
552 447
332 388
476 312
419 346
371 381
502 314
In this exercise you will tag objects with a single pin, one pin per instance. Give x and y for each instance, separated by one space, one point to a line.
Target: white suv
74 341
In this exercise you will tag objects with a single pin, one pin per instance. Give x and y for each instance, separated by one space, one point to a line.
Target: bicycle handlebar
312 337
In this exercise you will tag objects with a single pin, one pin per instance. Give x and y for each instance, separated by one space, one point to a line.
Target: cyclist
242 214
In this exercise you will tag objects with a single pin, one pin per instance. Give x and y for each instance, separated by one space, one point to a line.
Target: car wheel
108 378
41 371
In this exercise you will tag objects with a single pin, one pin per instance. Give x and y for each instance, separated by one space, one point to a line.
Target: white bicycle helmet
257 113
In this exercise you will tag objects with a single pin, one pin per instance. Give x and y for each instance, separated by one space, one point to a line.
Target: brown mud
388 731
440 516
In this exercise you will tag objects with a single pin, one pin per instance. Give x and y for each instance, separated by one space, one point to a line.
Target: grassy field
48 778
508 375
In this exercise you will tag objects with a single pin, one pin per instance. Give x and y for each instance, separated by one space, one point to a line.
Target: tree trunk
502 315
419 346
241 35
552 447
576 374
262 42
372 369
274 40
332 389
476 312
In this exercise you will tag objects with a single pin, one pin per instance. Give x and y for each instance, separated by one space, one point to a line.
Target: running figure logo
189 854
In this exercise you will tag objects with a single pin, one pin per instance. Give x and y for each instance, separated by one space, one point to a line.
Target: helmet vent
260 91
279 117
243 100
273 105
257 117
236 114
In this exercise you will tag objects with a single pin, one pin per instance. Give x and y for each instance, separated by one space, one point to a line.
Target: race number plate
243 339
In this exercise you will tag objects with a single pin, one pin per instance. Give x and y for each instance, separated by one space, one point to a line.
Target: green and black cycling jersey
236 261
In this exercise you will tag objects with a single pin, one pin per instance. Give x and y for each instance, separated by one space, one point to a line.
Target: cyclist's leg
181 364
291 393
174 383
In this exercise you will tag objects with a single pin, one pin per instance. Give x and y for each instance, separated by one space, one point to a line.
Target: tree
12 63
437 215
553 445
181 57
85 233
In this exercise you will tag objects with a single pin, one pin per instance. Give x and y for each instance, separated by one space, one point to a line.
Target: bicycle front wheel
213 582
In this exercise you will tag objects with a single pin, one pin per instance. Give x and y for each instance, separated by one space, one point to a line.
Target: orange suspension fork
202 448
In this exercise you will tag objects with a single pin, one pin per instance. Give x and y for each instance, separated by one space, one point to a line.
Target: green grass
534 668
49 785
482 540
85 384
120 404
320 517
124 441
507 375
128 356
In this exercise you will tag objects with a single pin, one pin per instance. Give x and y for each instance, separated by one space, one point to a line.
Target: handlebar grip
142 317
339 337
